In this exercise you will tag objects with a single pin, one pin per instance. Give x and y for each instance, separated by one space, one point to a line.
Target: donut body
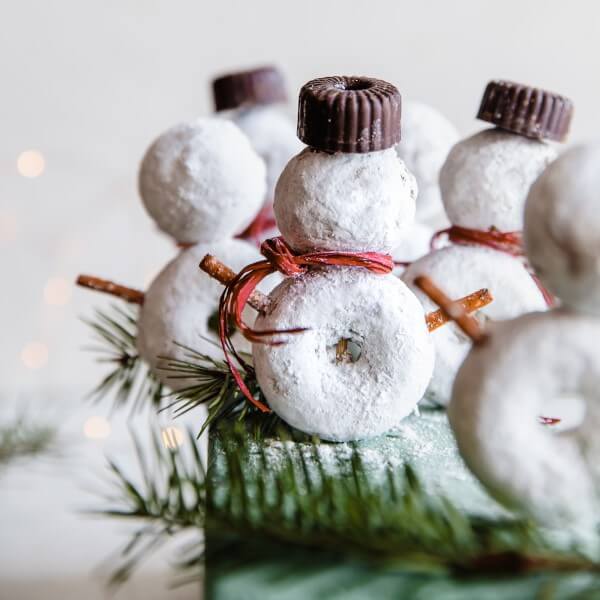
562 228
526 368
427 137
458 271
181 305
342 201
303 380
486 178
202 181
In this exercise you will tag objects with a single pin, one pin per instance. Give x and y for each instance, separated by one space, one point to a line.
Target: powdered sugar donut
562 228
427 137
345 201
486 177
302 379
458 270
181 306
202 181
273 137
501 390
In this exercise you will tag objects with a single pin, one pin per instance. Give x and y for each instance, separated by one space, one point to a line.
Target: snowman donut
253 100
484 183
535 360
346 192
202 182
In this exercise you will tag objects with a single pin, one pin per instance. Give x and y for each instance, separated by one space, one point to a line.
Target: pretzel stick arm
223 274
469 304
109 287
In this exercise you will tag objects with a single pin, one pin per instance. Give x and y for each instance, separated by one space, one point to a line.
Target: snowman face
202 181
486 177
562 228
343 201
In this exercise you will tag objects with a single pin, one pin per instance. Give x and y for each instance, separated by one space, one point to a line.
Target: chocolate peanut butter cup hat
349 114
528 111
249 88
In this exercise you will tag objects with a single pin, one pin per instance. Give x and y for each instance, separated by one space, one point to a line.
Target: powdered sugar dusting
302 380
486 178
356 202
202 181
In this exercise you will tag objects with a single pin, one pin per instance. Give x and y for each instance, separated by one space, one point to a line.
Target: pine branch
208 381
23 439
211 384
170 500
129 381
300 504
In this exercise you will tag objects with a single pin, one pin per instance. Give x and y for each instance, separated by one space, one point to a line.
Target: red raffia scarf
279 257
509 242
263 222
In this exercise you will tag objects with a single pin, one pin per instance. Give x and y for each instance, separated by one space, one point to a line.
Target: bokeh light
8 227
34 355
31 163
57 291
96 428
172 437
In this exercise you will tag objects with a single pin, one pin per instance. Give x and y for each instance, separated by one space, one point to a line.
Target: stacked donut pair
209 185
543 362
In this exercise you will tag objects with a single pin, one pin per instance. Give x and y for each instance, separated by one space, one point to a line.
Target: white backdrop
89 84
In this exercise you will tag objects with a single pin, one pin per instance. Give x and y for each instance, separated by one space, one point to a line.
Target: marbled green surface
427 444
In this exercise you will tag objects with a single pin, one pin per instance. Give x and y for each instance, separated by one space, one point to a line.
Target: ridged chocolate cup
249 88
528 111
349 114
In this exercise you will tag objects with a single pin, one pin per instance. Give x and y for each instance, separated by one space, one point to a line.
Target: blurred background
86 86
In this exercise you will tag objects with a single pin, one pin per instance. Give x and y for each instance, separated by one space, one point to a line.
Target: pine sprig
129 381
210 383
23 439
170 499
207 381
303 505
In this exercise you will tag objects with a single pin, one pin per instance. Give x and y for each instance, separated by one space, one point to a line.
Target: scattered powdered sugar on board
424 442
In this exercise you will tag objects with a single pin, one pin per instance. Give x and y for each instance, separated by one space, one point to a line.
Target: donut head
202 181
348 202
253 87
349 114
562 228
525 110
427 137
485 180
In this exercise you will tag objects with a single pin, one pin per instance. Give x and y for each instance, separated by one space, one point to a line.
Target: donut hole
352 85
347 350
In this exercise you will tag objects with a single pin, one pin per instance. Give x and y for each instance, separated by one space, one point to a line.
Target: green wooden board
287 573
